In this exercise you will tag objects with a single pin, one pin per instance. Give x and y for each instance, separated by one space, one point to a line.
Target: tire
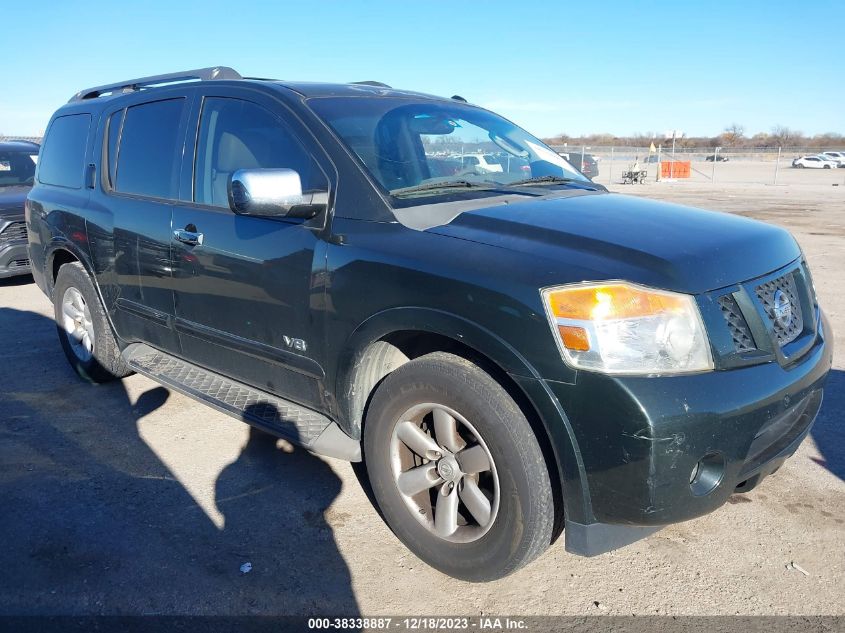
827 166
515 526
800 166
84 330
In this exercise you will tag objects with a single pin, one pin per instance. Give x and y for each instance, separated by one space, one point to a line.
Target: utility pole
715 158
659 164
610 172
672 163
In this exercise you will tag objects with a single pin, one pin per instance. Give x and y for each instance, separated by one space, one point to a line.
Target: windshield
411 146
17 167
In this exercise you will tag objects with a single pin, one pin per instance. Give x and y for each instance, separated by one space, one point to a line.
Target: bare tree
783 136
733 134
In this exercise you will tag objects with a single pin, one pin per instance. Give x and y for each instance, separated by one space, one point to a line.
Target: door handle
188 237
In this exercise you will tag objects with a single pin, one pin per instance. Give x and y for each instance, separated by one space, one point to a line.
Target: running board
311 430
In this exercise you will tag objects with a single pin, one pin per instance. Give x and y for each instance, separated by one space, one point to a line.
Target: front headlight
623 328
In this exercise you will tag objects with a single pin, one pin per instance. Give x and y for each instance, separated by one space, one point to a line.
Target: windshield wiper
550 180
449 184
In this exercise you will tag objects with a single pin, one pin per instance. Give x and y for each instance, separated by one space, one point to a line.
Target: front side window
62 160
148 152
17 167
236 134
411 146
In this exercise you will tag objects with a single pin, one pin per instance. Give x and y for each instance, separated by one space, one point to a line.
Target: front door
244 286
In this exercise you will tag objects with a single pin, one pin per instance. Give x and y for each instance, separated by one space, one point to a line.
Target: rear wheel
84 331
457 470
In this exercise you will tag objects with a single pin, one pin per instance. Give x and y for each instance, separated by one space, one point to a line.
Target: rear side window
62 159
148 151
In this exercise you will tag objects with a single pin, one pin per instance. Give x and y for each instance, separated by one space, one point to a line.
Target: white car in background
481 163
837 157
815 162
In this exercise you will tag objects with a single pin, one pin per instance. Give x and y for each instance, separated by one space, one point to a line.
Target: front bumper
637 440
14 259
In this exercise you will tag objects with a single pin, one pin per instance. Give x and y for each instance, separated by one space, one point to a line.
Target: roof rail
130 85
377 84
458 98
4 139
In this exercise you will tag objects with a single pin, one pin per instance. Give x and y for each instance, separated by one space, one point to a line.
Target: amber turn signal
574 338
612 301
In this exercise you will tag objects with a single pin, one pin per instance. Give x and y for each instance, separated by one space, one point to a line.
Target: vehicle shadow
96 522
274 498
829 429
17 280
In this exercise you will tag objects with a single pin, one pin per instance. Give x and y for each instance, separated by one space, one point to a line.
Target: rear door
246 288
131 228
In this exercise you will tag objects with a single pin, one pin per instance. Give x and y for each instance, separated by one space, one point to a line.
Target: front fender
548 410
434 321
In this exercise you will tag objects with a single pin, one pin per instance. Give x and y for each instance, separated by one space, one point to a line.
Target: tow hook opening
707 474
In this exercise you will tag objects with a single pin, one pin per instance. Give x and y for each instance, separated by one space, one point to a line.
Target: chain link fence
771 166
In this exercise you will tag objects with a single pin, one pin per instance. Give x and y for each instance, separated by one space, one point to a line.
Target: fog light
706 474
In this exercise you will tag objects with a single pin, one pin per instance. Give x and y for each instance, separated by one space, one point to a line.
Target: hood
610 236
12 200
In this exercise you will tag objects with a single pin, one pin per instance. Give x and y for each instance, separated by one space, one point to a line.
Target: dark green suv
511 353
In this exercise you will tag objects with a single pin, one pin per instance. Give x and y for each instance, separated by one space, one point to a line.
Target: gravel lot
129 499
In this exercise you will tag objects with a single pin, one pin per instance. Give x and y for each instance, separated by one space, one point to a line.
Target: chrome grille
789 331
737 325
14 231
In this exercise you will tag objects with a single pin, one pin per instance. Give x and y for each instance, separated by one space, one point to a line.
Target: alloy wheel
76 321
444 472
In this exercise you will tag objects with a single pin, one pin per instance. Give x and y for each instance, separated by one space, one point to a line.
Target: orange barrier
674 169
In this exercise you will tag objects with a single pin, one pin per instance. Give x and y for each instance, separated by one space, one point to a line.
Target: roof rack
131 85
377 84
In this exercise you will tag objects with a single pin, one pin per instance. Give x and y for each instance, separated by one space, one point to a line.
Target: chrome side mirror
273 193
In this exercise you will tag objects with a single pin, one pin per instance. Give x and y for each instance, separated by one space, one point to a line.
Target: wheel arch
390 338
393 337
59 253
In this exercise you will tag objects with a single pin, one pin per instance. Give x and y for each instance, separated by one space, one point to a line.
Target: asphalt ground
131 499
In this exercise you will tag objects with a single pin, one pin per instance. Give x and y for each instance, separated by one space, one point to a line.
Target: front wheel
457 470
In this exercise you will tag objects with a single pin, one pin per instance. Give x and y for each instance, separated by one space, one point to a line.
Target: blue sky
586 67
